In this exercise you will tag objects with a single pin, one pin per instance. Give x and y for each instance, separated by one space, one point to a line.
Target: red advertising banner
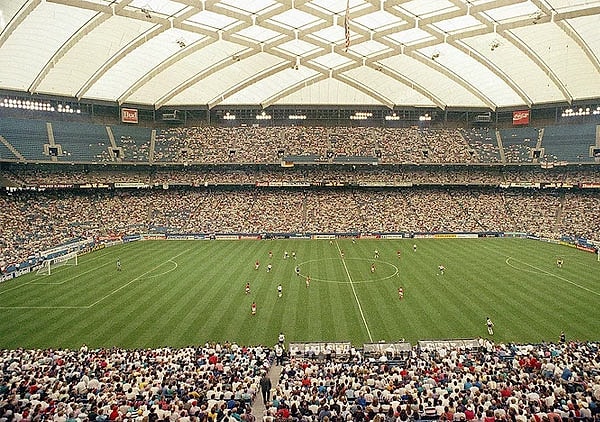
521 117
129 115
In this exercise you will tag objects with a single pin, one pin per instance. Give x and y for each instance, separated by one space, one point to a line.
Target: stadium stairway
258 408
11 148
559 211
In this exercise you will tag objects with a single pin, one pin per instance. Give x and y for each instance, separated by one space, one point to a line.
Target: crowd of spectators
192 384
250 144
219 383
256 144
44 175
553 382
33 221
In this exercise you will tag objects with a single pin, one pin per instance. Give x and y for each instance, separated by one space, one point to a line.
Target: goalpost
48 265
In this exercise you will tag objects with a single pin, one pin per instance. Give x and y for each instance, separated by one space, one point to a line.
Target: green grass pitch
179 293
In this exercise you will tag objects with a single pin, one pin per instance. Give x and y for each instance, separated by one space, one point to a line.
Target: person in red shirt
469 413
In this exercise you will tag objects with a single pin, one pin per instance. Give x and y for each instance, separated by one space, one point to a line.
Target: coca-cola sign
521 117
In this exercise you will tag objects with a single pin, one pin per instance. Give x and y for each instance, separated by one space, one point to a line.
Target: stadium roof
424 53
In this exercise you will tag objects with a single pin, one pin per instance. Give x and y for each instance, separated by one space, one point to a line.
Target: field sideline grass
178 293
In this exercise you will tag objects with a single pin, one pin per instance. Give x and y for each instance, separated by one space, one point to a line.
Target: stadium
299 210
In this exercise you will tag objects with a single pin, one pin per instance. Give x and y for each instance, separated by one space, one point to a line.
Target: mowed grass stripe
203 298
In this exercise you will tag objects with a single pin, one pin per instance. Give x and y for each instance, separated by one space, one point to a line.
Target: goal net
48 265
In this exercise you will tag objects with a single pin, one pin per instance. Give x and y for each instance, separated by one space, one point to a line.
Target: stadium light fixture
228 116
361 115
36 106
425 118
297 117
393 116
263 116
570 112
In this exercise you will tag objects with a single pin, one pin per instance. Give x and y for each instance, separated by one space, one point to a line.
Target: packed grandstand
354 118
291 181
298 179
221 382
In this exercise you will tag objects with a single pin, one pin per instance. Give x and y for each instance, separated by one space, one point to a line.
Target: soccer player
285 255
253 308
297 271
400 293
490 326
256 264
248 288
376 253
294 254
559 262
398 253
281 338
342 253
118 264
414 247
307 281
279 290
441 269
269 268
372 268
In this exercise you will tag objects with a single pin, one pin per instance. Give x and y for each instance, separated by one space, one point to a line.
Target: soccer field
178 293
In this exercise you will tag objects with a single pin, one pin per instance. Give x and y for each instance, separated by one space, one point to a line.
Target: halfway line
362 315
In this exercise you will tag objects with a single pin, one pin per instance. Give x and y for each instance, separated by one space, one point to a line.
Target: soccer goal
48 265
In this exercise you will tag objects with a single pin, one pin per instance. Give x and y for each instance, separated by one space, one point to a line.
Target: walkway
258 408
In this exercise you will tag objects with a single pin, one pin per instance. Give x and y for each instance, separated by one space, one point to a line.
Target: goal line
48 265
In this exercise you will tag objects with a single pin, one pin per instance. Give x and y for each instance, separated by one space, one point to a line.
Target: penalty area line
541 270
165 272
362 315
136 279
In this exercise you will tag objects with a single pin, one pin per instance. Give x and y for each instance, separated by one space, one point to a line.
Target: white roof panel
33 43
565 57
381 83
440 86
328 91
191 66
133 66
488 53
295 19
423 9
81 61
516 66
217 84
458 24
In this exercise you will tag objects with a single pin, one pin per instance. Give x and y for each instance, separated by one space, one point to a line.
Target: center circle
389 270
